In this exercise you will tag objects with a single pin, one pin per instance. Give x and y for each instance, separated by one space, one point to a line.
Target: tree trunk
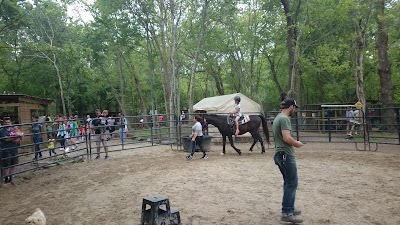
136 84
274 72
291 44
196 55
215 73
172 57
360 48
384 70
54 61
164 54
121 82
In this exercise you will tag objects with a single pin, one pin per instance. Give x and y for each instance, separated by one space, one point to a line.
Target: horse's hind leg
257 137
254 143
233 146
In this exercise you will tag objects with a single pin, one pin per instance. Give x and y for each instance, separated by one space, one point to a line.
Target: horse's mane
216 119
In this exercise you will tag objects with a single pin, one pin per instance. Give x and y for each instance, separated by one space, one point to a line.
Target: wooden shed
21 107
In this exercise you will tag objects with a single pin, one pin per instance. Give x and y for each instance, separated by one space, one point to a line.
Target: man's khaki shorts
100 138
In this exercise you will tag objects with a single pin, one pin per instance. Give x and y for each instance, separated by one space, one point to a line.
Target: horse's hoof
240 153
262 152
222 153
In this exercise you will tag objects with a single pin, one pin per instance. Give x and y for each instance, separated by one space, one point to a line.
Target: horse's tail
265 128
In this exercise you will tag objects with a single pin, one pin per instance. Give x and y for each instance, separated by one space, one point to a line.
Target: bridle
205 124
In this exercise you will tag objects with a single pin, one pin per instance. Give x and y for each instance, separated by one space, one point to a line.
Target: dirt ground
337 185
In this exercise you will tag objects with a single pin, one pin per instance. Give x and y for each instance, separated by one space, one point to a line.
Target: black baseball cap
289 102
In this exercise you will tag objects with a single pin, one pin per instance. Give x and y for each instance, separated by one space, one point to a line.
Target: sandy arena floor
337 185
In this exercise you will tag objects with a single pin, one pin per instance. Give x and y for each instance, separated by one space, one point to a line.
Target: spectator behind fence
111 124
88 126
51 145
304 118
271 119
141 121
123 126
72 131
349 119
182 117
61 132
372 115
36 130
49 127
99 125
9 142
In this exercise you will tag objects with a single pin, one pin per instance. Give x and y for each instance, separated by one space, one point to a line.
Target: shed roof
15 98
225 103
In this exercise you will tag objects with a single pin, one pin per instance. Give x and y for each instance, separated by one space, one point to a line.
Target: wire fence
35 150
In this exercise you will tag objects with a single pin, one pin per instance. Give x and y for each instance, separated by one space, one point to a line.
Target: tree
47 37
196 54
292 40
386 97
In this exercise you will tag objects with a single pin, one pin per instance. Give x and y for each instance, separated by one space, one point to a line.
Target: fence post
297 125
178 130
398 122
1 164
90 145
364 129
329 128
87 145
151 129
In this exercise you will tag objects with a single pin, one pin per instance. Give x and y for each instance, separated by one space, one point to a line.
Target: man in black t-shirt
99 125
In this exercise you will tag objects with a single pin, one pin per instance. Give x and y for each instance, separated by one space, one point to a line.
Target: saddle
242 120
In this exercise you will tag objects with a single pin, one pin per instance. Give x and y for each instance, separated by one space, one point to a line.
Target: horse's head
216 120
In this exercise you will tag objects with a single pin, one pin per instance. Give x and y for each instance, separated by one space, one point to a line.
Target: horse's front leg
233 146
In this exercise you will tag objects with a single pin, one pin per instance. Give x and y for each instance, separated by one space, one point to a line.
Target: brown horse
220 121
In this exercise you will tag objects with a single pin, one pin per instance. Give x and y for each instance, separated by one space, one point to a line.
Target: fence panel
169 129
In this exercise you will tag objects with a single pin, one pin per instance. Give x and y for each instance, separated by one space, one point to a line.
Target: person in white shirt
197 138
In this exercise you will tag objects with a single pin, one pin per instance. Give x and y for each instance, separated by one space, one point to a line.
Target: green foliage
118 56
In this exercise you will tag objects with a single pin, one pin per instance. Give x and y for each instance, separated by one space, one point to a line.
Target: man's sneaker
296 212
291 218
106 157
189 157
97 157
204 157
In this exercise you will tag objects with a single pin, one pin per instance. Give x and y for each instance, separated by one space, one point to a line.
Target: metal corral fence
335 124
326 125
34 151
